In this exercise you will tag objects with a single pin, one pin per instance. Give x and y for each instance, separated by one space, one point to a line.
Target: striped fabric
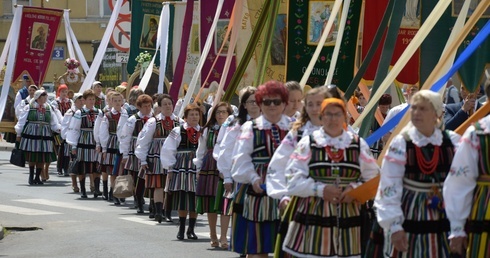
320 228
36 138
182 181
480 212
427 228
113 145
133 163
86 154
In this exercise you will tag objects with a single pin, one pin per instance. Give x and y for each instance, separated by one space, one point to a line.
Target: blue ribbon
475 43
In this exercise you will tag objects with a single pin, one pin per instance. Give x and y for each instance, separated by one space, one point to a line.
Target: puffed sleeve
55 120
22 120
369 167
74 129
219 139
299 183
18 99
104 133
388 198
145 137
126 134
461 181
98 120
66 123
122 121
169 148
276 172
225 156
201 150
243 170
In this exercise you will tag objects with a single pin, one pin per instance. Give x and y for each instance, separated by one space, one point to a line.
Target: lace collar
485 124
421 140
115 112
198 127
309 128
140 115
264 124
340 142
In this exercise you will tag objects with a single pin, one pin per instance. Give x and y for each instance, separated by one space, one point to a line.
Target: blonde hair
304 116
435 100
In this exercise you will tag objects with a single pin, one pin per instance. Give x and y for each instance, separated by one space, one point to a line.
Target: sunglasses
268 102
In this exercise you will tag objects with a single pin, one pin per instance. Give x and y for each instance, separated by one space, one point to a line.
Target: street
52 221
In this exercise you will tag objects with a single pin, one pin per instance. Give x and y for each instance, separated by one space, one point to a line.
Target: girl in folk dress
81 138
210 189
409 200
256 215
100 101
34 134
325 166
108 139
77 105
223 151
63 104
149 144
127 146
308 122
178 151
466 191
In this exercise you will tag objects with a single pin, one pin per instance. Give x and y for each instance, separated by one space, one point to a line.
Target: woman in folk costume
63 104
34 134
409 200
81 138
324 167
223 151
127 146
210 189
256 215
19 108
178 151
308 122
77 105
149 144
467 191
108 139
130 106
100 101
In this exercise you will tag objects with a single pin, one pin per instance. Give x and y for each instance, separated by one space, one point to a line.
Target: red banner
208 11
37 37
410 24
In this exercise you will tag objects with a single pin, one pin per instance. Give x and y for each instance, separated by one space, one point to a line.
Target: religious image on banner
458 4
319 13
219 37
150 31
411 16
39 41
278 49
195 39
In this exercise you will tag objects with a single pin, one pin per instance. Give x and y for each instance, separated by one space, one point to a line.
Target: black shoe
31 176
84 196
37 180
180 235
168 215
60 173
140 202
190 230
116 201
96 190
111 197
105 191
151 209
159 212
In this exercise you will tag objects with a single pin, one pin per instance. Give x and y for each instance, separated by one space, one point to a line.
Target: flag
145 15
472 73
305 26
37 37
207 14
410 24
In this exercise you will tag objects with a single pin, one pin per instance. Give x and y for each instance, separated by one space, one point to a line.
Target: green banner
305 26
472 73
145 15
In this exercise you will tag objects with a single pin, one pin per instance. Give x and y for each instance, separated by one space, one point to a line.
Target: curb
1 233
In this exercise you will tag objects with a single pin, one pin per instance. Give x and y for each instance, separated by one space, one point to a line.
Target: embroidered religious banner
306 22
37 37
410 24
207 14
145 15
472 73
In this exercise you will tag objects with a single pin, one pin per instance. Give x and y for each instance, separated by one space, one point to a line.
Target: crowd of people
280 166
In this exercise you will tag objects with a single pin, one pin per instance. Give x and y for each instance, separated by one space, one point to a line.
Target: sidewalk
6 146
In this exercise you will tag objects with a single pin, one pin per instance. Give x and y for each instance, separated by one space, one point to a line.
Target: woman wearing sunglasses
256 215
323 169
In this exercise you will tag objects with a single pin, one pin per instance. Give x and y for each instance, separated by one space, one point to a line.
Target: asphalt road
52 221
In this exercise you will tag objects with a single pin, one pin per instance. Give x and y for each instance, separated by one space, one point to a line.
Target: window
98 8
8 5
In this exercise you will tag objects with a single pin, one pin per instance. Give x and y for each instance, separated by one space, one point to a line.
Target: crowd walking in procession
278 169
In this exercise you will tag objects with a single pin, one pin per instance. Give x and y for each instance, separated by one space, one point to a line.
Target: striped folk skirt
182 182
317 230
133 163
478 222
86 154
37 143
156 176
257 236
107 164
427 228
